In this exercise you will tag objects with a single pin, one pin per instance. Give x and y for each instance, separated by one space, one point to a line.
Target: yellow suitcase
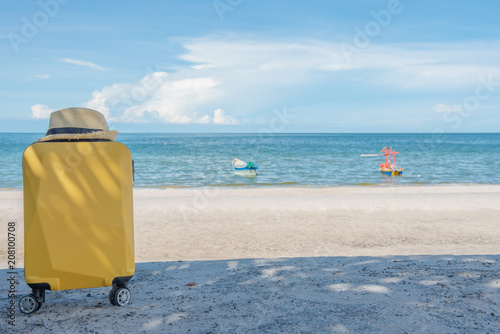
78 219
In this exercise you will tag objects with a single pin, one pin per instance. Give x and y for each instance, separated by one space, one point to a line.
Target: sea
290 160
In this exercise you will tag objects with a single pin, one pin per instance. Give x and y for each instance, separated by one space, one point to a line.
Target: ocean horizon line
284 133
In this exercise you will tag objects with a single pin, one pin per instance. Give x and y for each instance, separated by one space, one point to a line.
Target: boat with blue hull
244 168
388 167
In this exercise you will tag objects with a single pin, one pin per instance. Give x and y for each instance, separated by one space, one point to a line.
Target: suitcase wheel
111 296
119 296
29 304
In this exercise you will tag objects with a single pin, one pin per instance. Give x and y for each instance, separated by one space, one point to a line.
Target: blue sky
253 66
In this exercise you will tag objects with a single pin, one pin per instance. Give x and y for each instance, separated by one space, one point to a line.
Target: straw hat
78 124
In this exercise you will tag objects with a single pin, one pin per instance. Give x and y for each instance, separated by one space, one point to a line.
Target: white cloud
154 97
260 55
87 64
221 118
447 108
175 101
40 77
40 111
205 119
250 77
408 65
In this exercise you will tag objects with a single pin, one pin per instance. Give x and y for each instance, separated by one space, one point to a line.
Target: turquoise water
197 160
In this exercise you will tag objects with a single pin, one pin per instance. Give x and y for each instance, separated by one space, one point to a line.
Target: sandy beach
340 260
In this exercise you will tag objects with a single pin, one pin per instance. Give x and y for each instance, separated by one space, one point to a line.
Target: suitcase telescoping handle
134 172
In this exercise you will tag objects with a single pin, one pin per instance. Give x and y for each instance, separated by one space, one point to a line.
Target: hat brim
106 135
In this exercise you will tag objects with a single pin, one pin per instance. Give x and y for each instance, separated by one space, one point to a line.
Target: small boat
388 167
244 168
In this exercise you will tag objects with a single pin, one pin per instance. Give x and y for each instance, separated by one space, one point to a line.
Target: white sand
210 224
457 289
